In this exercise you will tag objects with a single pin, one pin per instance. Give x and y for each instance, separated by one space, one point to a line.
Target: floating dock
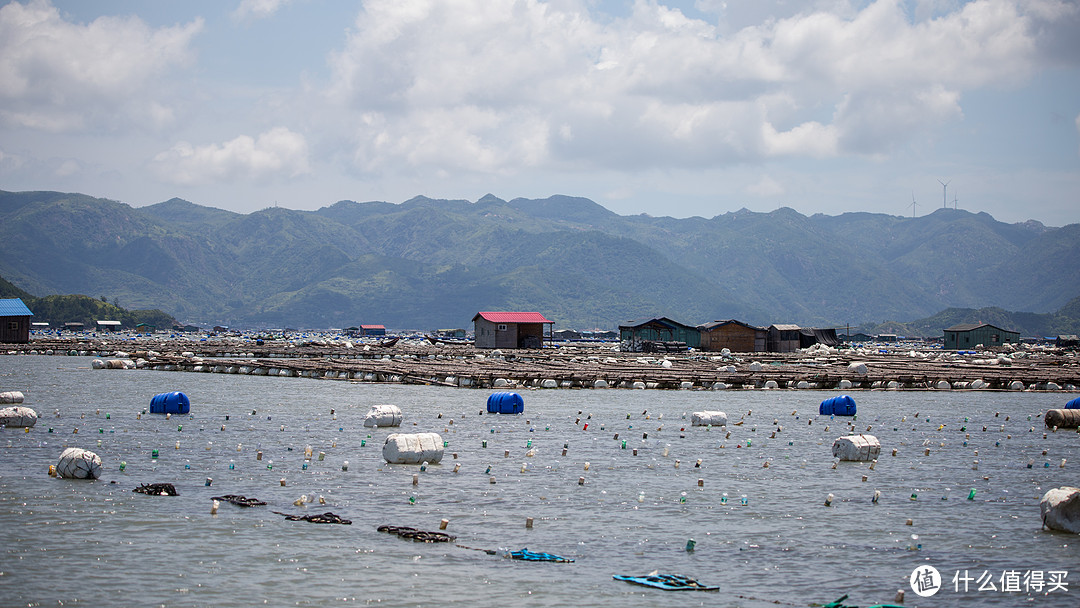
587 366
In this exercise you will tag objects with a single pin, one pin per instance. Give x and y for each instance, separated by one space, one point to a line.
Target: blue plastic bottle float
505 403
170 403
843 405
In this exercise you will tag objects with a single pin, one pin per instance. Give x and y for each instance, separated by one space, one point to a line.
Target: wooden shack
14 321
372 330
643 336
736 336
969 335
783 338
510 329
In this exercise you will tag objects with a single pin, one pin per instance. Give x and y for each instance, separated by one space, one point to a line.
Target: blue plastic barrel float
170 403
1073 405
505 403
843 405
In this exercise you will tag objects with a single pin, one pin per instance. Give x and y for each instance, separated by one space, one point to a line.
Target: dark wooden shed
14 321
637 336
783 338
736 336
969 335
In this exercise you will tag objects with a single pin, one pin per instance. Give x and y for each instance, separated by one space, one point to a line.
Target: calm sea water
79 543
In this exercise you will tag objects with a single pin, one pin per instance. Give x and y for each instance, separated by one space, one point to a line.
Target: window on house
13 325
994 338
502 326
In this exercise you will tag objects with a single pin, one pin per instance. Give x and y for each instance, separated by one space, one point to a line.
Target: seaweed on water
324 518
240 501
157 489
417 535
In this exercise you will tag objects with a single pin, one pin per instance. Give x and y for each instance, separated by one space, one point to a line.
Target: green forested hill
433 263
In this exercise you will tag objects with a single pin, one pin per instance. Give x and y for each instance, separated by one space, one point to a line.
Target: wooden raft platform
585 366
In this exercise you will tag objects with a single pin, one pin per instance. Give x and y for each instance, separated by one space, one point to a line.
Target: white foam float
18 417
77 463
383 415
708 417
1061 509
856 447
413 448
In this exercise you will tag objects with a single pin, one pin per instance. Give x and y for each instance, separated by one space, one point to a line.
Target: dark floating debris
669 582
240 501
417 535
324 518
157 489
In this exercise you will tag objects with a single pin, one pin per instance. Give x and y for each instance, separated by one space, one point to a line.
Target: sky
665 107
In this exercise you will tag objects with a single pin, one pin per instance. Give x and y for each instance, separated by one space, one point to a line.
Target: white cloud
277 152
765 187
258 9
496 85
59 76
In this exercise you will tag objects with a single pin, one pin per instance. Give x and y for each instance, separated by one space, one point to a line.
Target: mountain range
428 263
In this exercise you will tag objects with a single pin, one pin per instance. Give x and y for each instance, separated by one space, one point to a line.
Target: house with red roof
511 329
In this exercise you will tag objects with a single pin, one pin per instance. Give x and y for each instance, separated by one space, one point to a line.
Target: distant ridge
427 262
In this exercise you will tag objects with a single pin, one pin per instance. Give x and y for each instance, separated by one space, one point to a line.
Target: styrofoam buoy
856 448
383 415
77 463
18 417
708 417
8 397
414 448
1060 509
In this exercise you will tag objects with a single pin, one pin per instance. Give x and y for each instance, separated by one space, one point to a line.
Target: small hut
733 335
510 329
659 334
372 330
783 338
14 321
969 335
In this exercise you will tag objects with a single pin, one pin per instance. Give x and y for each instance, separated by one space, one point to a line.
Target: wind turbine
914 206
944 193
954 199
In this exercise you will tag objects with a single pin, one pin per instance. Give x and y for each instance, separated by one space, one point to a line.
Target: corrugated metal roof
14 307
715 324
512 317
109 323
372 327
971 326
786 327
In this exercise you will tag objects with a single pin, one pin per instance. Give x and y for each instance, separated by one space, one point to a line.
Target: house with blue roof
14 321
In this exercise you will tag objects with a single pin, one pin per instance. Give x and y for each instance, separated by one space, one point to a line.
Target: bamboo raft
583 366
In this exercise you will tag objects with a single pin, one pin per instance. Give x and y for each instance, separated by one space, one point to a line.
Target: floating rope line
417 535
240 501
325 518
